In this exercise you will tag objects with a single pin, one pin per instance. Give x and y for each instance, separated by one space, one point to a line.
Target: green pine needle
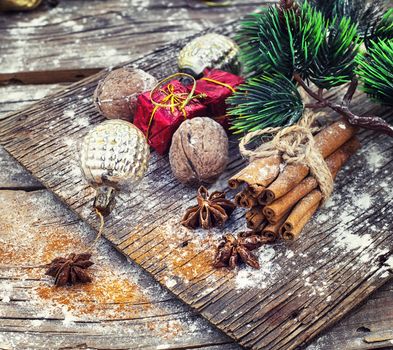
320 41
269 100
363 12
375 71
281 41
334 65
384 29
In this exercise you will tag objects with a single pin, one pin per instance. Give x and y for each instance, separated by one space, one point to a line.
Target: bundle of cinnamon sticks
282 198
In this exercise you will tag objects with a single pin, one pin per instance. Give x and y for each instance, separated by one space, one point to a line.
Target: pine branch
376 71
278 40
319 43
270 100
362 12
384 29
334 65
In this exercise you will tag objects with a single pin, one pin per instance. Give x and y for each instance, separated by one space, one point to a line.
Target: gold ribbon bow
177 100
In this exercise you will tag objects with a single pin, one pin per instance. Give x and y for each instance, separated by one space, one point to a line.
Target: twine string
295 144
100 230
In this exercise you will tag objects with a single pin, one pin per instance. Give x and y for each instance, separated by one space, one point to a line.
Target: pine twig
350 92
367 122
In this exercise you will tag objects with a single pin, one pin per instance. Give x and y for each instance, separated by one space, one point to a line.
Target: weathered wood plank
14 176
376 315
123 308
303 288
12 98
81 37
32 314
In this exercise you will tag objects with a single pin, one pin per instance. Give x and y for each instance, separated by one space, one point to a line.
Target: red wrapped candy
160 113
217 85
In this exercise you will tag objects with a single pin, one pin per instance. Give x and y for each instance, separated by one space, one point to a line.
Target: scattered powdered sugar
250 278
363 201
374 157
353 241
289 254
70 113
119 294
170 282
6 290
267 171
389 262
385 274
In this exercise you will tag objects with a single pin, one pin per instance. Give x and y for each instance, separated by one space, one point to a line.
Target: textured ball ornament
199 151
18 5
209 51
114 156
116 95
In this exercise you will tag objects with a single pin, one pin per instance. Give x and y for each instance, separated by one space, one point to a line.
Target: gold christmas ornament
114 156
18 5
116 95
209 51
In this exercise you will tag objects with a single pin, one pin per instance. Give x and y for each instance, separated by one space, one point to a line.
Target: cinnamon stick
276 209
326 141
291 176
260 173
272 231
306 207
300 215
294 233
255 189
335 161
245 199
249 200
239 199
255 218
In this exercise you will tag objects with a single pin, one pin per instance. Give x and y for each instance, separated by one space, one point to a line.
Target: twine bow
295 144
176 100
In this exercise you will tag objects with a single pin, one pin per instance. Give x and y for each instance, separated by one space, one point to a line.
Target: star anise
231 250
70 270
212 210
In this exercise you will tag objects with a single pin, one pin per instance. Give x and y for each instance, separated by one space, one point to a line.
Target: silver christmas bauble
114 156
209 51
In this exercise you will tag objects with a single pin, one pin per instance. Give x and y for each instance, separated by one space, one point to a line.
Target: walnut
199 151
116 95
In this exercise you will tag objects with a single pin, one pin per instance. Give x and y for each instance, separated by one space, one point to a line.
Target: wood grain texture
315 280
12 98
122 309
375 317
32 314
78 38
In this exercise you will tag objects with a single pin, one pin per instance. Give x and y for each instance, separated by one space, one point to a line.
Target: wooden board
137 311
79 38
121 309
302 289
163 321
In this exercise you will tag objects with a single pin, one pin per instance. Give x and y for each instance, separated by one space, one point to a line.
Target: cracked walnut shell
199 151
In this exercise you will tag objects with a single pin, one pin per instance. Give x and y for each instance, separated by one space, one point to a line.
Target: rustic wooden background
26 317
